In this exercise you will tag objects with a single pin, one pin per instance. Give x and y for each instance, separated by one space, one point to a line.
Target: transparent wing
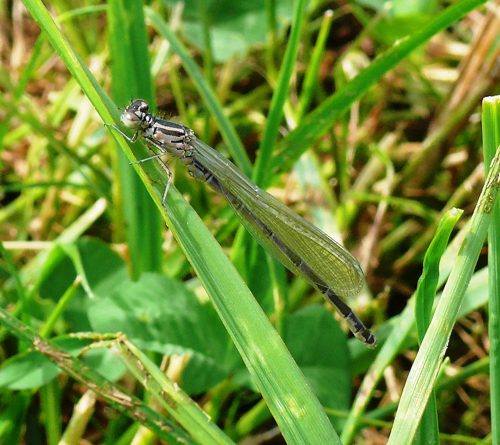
330 261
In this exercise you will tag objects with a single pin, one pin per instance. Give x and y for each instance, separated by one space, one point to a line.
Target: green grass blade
312 72
168 395
272 39
128 41
296 410
428 431
51 405
491 140
276 110
317 123
428 282
424 371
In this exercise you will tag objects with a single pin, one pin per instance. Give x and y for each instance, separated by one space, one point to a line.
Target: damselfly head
135 115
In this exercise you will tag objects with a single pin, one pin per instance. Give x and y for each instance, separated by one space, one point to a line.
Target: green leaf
235 26
162 315
27 371
103 268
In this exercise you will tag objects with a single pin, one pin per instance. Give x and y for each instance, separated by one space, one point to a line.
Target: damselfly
297 244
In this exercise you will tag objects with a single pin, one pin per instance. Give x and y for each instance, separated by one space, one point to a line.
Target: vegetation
366 117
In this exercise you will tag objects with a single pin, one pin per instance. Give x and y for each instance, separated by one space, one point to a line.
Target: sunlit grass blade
428 282
424 371
169 396
428 431
491 140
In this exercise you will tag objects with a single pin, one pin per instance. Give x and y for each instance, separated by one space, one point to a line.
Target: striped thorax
169 137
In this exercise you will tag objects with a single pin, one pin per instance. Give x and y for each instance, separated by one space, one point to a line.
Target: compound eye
142 106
